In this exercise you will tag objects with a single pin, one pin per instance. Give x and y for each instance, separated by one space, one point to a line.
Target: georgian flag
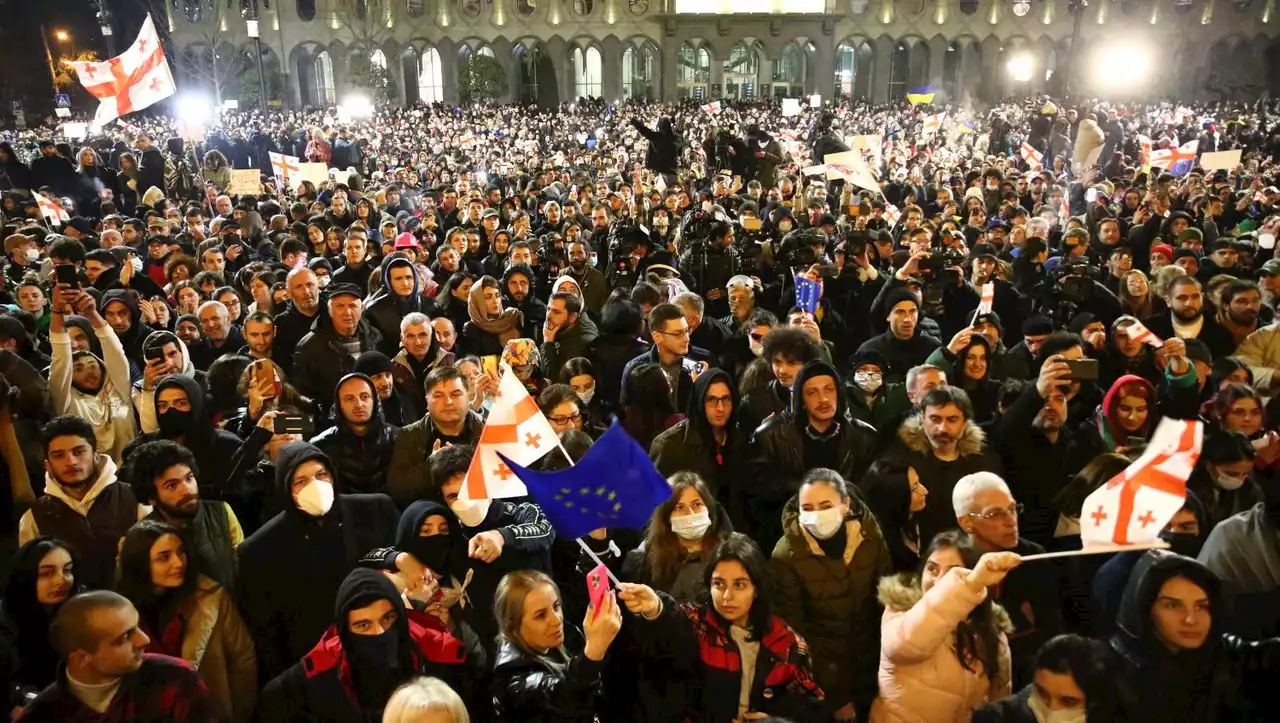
51 209
130 81
517 429
712 107
1033 157
284 166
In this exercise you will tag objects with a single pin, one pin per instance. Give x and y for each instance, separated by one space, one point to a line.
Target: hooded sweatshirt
132 339
292 567
144 399
1107 416
109 409
362 461
385 312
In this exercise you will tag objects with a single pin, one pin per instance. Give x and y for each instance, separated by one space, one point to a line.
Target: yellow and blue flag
921 95
808 292
613 485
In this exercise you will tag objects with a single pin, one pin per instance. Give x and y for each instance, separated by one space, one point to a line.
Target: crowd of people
236 423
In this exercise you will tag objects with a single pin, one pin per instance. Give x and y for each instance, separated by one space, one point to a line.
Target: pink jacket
921 678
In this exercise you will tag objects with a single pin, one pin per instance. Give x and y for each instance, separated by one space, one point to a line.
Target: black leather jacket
532 689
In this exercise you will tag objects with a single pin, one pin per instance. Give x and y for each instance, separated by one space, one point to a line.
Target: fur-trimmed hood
911 432
901 592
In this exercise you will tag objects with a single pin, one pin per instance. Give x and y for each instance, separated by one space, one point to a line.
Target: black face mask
175 422
433 551
375 652
1186 544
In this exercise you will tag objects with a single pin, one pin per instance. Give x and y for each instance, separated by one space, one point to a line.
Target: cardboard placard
317 173
1220 160
245 182
340 176
790 107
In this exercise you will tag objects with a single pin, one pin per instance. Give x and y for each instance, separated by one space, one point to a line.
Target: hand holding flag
808 292
517 429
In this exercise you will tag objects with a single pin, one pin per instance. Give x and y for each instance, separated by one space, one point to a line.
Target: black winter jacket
362 461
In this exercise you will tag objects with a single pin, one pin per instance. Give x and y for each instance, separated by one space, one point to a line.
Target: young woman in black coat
42 577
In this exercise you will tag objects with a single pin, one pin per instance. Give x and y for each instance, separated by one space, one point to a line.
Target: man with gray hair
707 335
419 353
219 335
106 675
986 511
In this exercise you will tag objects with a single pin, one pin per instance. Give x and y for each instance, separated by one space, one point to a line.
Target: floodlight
1020 68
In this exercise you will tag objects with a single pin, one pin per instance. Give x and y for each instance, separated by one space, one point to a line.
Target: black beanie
1036 326
373 362
897 296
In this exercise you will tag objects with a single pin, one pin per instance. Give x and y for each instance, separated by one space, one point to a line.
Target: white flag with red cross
285 167
1139 332
891 214
517 429
987 300
130 81
1134 506
712 107
51 209
932 123
1033 157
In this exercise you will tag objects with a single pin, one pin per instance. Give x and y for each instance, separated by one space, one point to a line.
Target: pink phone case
597 587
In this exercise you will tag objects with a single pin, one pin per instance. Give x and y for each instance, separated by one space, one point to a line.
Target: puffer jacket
408 476
832 601
921 678
362 461
533 689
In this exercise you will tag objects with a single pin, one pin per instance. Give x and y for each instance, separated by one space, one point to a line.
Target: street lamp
62 35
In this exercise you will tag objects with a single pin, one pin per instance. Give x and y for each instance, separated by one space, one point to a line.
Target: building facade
559 50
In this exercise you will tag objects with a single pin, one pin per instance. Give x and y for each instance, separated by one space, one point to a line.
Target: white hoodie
144 399
27 529
110 411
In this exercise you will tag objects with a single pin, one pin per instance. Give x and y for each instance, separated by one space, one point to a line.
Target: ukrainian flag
922 95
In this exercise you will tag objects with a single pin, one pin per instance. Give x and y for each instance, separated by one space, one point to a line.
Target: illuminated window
586 73
430 80
324 79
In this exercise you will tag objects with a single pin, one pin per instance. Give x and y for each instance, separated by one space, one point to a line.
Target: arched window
306 9
470 8
325 91
846 69
527 60
695 72
637 72
583 7
790 67
968 7
899 67
587 72
430 80
416 8
742 72
192 10
378 59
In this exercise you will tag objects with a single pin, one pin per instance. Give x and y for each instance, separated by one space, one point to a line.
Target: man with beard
295 322
81 504
902 346
259 336
567 333
1240 310
401 296
1187 320
362 441
374 646
78 380
164 474
121 310
518 283
595 289
942 443
381 371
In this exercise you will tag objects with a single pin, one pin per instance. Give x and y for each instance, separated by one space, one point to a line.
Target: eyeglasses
566 421
1012 510
916 488
720 401
679 334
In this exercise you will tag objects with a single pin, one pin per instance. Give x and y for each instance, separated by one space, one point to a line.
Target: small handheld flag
808 292
518 429
613 485
1138 332
1178 160
986 302
1033 157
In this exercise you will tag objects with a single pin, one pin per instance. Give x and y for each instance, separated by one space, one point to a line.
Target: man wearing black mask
181 414
373 646
402 296
362 441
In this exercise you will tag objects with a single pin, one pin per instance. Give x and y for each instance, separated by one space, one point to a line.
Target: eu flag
808 292
614 485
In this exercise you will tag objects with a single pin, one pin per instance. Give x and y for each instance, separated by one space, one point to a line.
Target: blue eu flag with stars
614 485
808 292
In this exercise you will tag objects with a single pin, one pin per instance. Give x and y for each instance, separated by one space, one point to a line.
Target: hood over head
292 456
1111 401
697 410
395 260
83 324
377 419
816 368
129 299
1154 569
162 338
436 552
378 663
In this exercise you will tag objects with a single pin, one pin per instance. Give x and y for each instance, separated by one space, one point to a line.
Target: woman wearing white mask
825 568
682 532
1076 681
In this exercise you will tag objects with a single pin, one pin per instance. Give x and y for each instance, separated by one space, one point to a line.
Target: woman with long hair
896 497
454 298
535 676
186 615
1136 296
425 700
649 407
943 644
580 374
216 170
127 190
967 360
42 576
682 533
749 663
1125 418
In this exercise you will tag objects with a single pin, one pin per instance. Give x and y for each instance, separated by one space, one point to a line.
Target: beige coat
218 644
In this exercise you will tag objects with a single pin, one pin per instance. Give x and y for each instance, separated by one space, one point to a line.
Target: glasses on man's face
567 420
719 401
680 333
999 513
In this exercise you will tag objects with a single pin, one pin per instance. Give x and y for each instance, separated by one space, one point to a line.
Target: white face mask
470 512
822 524
757 347
316 498
137 264
1229 481
691 527
587 395
1041 711
868 382
33 254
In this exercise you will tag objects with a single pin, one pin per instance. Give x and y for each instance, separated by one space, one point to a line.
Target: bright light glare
1020 68
356 106
230 104
195 109
1121 65
61 35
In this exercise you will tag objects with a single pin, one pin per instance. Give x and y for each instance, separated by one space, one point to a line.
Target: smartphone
489 363
597 587
1135 442
154 353
67 274
828 271
1083 369
290 424
751 224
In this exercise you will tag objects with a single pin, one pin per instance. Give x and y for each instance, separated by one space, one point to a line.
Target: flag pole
1098 550
585 548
